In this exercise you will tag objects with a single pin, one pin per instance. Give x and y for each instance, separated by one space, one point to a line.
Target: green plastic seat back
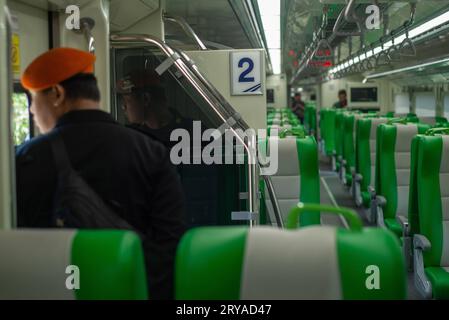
329 133
433 197
433 121
310 118
393 166
297 177
265 263
323 113
348 140
366 130
34 265
430 210
339 117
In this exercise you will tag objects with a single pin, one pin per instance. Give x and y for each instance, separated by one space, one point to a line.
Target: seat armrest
421 243
372 191
381 201
406 242
377 215
422 283
356 189
403 221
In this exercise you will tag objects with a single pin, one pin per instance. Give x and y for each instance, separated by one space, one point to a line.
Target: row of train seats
307 261
399 173
266 263
282 119
297 158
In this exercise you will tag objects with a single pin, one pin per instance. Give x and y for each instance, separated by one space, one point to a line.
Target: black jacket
124 167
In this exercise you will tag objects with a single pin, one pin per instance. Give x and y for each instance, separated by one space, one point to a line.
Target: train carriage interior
317 158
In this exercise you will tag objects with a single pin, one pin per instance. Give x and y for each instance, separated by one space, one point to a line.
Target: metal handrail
345 14
407 41
216 102
87 25
272 195
244 126
313 46
186 27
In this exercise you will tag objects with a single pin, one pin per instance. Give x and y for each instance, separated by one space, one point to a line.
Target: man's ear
60 95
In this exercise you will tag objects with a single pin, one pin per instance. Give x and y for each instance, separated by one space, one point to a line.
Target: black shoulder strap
59 151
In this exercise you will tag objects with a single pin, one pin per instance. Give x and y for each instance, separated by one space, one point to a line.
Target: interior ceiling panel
213 21
303 17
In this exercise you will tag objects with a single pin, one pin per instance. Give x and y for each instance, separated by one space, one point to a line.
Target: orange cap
55 66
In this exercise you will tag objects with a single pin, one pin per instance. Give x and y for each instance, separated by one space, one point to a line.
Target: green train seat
322 130
310 119
348 156
433 121
393 166
365 160
275 121
36 265
313 263
297 177
430 217
329 136
327 128
338 136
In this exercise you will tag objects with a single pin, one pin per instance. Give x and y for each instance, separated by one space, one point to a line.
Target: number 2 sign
246 73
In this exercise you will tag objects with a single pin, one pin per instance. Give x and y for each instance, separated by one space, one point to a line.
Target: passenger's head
298 97
59 81
142 93
342 96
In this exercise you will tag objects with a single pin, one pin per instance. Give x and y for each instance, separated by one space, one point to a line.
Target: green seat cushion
394 226
440 282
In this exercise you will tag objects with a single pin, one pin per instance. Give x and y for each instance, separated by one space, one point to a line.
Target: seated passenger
128 170
342 100
299 107
145 106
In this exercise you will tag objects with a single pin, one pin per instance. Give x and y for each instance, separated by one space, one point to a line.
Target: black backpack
76 205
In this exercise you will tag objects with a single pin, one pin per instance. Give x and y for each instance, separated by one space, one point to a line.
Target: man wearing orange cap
127 169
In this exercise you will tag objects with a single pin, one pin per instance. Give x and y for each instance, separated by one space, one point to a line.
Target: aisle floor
334 193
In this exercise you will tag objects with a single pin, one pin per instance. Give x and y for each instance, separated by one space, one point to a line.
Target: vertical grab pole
7 159
253 180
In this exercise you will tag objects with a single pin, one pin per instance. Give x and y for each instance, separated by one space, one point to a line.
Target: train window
402 103
270 96
22 128
179 98
425 104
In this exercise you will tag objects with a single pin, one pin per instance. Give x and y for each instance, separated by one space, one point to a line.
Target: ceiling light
270 13
413 33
